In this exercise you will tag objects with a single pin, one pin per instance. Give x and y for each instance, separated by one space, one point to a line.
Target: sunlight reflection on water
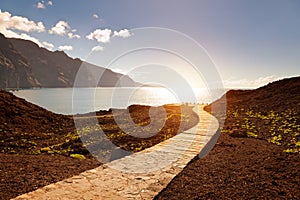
60 100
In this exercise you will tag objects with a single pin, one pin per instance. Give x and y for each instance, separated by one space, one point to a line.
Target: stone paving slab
139 176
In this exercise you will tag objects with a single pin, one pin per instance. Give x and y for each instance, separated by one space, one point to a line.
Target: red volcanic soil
38 147
258 153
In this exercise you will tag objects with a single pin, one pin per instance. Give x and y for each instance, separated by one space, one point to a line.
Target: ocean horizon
83 100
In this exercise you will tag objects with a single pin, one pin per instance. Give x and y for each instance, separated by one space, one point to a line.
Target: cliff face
23 64
14 68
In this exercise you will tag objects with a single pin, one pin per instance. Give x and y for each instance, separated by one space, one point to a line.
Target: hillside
14 68
38 147
258 153
271 112
278 96
23 64
26 128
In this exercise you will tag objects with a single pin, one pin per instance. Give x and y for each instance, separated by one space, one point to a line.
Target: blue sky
251 42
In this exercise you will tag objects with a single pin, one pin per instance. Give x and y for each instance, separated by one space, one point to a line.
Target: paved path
139 176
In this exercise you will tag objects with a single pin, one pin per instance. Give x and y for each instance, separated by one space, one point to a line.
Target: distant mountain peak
23 64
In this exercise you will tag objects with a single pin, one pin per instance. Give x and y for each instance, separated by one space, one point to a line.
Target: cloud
72 35
245 83
97 48
265 80
48 45
96 16
40 5
24 36
63 28
65 48
9 22
104 35
100 35
122 33
60 28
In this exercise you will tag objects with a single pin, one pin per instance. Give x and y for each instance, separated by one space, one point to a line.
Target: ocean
83 100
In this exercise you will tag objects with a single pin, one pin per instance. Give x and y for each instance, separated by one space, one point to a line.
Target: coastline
248 161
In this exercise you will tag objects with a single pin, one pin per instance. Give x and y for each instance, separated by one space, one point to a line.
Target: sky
250 43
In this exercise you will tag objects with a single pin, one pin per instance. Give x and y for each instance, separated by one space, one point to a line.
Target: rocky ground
257 155
39 147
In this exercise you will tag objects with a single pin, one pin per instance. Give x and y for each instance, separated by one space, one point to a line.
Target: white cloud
40 5
96 16
97 48
265 80
245 83
48 45
63 28
122 33
24 36
65 48
104 35
9 22
100 35
60 28
71 36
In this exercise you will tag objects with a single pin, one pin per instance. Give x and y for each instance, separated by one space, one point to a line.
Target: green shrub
79 156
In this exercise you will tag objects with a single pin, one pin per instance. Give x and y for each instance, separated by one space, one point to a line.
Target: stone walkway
139 176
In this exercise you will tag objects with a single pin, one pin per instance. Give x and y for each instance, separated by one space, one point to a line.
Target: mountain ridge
23 64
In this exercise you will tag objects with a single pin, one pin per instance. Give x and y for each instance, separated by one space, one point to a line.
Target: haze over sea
83 100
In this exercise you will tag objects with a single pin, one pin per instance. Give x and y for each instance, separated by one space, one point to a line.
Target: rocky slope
270 113
38 147
258 153
14 68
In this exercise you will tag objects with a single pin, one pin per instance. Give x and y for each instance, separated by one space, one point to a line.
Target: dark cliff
23 64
